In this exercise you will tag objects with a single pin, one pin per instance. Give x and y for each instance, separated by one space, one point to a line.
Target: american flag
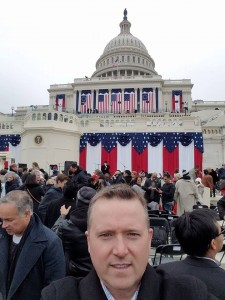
85 103
129 102
116 102
60 102
147 102
103 103
176 101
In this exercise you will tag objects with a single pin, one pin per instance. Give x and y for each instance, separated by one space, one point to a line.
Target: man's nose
120 247
4 224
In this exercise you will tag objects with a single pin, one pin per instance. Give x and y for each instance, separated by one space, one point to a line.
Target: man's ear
88 237
150 233
212 245
27 213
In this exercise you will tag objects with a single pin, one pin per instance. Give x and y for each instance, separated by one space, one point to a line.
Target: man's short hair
121 192
206 172
73 165
167 175
61 177
20 199
195 231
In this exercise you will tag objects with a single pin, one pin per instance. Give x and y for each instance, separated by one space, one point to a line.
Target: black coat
79 178
11 185
149 194
168 190
154 286
52 194
204 269
53 210
221 207
40 262
72 233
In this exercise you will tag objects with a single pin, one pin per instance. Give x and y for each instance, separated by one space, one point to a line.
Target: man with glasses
201 237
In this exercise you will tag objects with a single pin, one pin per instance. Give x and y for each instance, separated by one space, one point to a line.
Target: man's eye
105 235
133 234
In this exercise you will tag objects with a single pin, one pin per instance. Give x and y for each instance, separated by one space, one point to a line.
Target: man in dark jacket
152 188
68 199
119 238
201 237
54 193
31 255
79 178
167 192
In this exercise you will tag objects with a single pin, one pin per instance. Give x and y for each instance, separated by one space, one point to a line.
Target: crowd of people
94 228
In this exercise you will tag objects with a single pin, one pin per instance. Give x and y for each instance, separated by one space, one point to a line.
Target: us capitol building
125 113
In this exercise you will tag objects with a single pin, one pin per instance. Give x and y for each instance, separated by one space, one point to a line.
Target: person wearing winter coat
68 199
52 194
186 194
11 183
72 233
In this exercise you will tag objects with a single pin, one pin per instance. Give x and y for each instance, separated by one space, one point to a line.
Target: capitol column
122 103
79 102
153 101
92 101
136 99
110 102
97 92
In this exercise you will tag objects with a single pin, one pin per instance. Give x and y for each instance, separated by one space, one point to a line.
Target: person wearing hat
72 233
186 194
200 188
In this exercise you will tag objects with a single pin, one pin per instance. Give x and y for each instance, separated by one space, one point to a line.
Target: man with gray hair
31 255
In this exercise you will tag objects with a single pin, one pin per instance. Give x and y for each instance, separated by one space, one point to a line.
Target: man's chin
10 232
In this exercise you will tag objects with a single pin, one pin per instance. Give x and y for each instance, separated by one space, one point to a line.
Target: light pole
166 105
12 108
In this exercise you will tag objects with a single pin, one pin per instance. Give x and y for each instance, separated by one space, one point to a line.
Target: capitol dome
125 55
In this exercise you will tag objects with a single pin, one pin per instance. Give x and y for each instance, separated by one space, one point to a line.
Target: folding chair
168 253
197 206
170 218
161 231
153 211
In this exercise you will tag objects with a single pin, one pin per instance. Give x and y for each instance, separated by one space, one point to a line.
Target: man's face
61 184
119 241
154 176
10 177
12 222
73 170
219 239
166 179
107 176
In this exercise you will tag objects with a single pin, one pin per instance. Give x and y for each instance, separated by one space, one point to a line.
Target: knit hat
84 196
185 173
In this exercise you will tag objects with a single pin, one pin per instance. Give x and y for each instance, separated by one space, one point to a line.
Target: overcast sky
54 41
